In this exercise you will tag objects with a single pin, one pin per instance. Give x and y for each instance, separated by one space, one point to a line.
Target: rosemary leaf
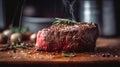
63 21
66 54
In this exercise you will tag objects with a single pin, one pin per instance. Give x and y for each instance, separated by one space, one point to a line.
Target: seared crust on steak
73 37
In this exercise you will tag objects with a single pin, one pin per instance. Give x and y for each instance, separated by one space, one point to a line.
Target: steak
64 37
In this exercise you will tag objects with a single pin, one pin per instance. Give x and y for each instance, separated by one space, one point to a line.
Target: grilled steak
73 37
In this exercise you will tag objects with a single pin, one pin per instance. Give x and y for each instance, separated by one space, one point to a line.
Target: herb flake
66 54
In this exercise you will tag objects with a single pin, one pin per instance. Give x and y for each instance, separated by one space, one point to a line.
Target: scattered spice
116 56
14 45
53 53
106 55
93 55
3 49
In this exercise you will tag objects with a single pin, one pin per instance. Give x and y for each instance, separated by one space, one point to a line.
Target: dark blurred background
105 13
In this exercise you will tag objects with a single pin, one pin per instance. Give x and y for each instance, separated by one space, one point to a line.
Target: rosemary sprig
66 54
17 30
63 21
13 45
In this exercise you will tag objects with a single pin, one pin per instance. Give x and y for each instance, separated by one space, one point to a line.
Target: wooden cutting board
103 46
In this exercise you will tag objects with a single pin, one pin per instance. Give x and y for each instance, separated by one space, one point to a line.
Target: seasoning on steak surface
68 37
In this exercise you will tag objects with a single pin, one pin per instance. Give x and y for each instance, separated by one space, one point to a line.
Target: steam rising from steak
73 37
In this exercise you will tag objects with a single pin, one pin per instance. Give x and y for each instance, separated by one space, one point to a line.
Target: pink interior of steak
76 37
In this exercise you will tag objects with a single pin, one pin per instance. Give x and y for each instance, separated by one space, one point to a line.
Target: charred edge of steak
75 37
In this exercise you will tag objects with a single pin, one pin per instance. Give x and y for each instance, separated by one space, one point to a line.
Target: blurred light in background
29 11
109 23
87 11
105 13
1 15
90 12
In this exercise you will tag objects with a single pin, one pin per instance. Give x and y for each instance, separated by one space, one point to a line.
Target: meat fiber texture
63 37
